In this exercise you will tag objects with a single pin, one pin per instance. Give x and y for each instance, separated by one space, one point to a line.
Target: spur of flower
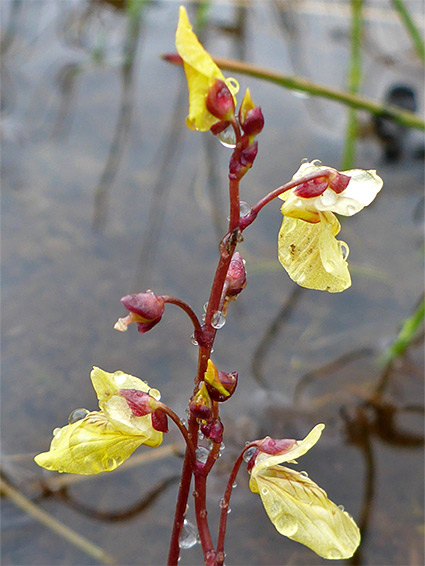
307 247
211 96
297 507
100 441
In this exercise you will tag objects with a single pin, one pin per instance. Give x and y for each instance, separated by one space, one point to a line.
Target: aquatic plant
132 414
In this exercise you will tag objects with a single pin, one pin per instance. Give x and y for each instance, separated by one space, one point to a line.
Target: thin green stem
411 28
403 117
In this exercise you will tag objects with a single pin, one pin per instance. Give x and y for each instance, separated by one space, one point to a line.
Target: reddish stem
225 508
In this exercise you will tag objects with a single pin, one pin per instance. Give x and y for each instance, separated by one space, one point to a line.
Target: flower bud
220 385
213 430
251 118
200 404
220 102
146 309
236 275
249 154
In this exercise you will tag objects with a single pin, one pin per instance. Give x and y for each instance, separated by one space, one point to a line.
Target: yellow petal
89 446
200 72
301 510
264 460
311 254
115 407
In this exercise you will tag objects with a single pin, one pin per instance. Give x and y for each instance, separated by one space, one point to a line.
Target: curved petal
311 254
301 510
264 460
108 384
200 72
89 446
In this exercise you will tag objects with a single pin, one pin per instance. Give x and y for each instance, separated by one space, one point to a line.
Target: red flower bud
213 430
146 309
220 385
275 446
200 404
220 100
236 275
253 121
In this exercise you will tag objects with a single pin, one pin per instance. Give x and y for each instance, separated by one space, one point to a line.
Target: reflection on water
105 192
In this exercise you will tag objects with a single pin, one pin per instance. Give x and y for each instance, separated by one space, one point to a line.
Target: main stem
206 341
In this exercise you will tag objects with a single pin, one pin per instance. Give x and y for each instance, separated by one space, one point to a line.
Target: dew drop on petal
56 431
188 535
77 415
305 160
328 198
120 377
351 209
317 162
286 525
218 320
341 507
304 474
334 553
344 249
264 490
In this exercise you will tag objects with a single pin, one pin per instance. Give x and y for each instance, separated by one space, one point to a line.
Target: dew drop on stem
188 535
227 137
218 320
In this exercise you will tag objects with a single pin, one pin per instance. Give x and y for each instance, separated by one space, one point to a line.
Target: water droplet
223 503
351 209
203 317
264 490
341 507
77 415
205 307
244 208
345 250
305 160
334 553
234 485
317 162
304 474
227 137
188 535
193 340
195 493
229 510
201 435
299 93
328 198
56 431
248 454
286 525
110 464
222 447
218 320
202 454
120 377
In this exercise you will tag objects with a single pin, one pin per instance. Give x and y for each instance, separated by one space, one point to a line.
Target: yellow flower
201 72
300 509
102 440
308 249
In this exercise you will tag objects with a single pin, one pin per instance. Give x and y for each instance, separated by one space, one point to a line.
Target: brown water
105 192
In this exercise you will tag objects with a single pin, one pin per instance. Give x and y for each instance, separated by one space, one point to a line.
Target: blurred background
106 192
